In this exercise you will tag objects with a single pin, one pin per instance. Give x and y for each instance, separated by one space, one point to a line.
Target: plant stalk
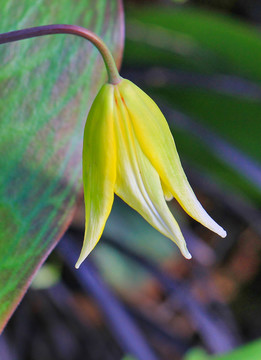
113 74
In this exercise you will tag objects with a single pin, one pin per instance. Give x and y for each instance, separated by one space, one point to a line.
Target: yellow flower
128 150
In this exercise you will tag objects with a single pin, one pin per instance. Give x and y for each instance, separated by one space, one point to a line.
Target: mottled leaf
47 86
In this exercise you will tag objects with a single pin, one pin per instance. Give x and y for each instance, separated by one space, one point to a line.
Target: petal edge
99 168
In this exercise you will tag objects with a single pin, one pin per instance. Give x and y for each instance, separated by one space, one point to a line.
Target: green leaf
192 39
48 276
193 50
47 86
250 351
197 354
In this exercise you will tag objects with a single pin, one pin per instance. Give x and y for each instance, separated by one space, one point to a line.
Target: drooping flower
128 150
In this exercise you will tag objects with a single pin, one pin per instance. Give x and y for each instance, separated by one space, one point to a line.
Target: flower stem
113 74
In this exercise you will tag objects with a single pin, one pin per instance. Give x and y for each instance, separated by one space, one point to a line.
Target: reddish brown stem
113 74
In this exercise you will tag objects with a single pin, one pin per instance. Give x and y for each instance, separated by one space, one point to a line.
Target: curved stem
113 74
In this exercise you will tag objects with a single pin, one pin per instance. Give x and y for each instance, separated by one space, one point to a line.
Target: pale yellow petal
99 168
138 183
167 193
155 138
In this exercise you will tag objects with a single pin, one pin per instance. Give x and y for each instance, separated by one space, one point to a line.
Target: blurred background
136 297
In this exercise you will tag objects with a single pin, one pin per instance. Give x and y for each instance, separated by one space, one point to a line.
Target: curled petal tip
223 233
83 255
188 256
218 230
78 264
186 253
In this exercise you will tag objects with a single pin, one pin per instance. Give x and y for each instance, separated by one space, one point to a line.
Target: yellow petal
155 138
138 183
167 192
99 168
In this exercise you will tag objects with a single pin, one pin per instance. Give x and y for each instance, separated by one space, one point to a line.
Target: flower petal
99 168
167 192
155 138
138 183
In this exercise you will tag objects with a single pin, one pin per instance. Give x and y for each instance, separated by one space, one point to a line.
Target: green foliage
192 39
47 276
250 351
214 49
47 85
197 354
